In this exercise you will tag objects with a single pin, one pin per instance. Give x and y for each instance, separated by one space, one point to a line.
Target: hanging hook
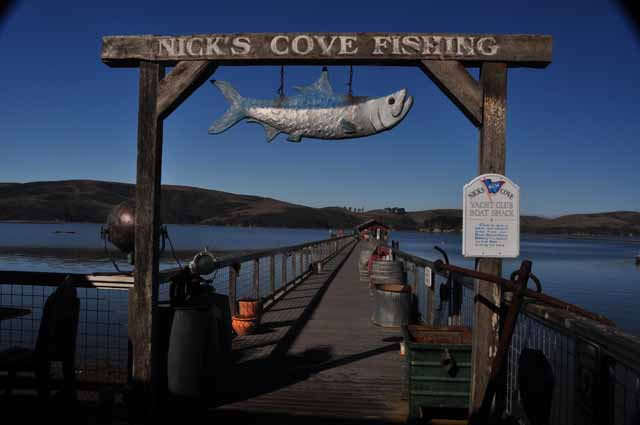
281 88
350 80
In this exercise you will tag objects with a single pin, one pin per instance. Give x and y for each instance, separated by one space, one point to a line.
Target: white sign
491 217
427 277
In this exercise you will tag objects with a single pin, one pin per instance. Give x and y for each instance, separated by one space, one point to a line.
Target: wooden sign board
365 48
491 217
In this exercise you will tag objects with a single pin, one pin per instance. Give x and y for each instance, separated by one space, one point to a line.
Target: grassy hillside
91 201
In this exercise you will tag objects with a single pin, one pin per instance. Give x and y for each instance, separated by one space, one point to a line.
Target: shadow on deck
318 358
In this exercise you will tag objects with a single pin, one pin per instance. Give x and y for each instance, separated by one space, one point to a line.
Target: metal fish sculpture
316 112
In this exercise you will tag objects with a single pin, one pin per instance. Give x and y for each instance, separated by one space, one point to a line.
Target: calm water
598 275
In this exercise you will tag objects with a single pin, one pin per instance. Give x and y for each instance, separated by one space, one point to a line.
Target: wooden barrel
387 271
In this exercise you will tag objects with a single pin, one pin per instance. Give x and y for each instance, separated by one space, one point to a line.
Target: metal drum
392 305
192 348
387 271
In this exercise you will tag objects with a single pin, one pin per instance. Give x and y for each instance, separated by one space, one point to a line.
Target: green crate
431 386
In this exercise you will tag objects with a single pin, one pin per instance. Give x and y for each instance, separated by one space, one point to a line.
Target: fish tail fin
235 112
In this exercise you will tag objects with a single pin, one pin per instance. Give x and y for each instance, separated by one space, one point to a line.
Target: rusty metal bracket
482 414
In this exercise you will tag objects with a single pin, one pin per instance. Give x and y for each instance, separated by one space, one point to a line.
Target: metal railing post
234 270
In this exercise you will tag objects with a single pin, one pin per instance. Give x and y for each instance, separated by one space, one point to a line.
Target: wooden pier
319 357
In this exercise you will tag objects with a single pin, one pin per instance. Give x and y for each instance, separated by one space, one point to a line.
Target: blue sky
573 129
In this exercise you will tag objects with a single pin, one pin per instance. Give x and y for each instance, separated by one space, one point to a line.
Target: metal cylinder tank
192 351
391 305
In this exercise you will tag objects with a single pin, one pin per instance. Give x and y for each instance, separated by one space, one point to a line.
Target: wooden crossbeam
458 85
180 83
328 48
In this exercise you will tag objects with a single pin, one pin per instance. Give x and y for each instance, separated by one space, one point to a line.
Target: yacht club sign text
319 45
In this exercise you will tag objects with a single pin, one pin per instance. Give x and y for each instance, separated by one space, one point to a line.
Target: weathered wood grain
493 78
144 295
256 278
328 48
458 85
180 83
431 297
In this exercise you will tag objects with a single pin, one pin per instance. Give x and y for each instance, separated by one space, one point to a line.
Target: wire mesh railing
101 342
596 367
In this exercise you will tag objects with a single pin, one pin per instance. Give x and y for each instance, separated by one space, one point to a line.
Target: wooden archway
444 58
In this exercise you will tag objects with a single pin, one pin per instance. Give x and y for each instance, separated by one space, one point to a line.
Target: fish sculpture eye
391 101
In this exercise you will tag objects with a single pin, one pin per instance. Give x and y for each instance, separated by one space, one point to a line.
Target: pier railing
596 366
102 354
267 274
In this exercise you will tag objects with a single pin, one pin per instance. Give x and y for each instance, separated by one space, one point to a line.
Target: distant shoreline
541 235
91 201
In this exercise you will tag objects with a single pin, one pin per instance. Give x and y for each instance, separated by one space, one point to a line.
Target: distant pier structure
373 230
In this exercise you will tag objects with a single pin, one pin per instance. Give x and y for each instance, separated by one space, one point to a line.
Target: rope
106 251
350 80
165 233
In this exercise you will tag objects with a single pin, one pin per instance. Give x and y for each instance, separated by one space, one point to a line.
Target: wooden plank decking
319 358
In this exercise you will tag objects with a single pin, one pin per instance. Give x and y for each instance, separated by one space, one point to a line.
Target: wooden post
284 269
256 278
493 79
233 278
431 297
293 266
144 294
272 275
416 274
302 261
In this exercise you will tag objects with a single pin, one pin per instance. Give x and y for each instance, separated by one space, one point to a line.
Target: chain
281 88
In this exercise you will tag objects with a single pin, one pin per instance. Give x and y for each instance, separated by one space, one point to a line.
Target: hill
91 201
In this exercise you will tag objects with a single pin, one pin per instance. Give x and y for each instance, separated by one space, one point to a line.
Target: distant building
373 229
395 210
